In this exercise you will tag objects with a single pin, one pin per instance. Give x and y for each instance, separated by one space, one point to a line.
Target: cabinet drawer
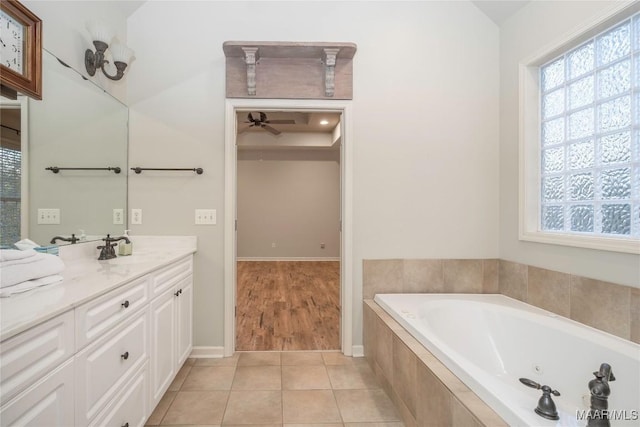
49 402
30 355
97 317
104 366
130 407
169 276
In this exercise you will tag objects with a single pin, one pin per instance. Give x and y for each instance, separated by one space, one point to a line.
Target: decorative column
250 58
329 59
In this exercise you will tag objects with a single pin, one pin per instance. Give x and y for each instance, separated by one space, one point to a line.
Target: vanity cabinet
103 362
49 402
104 367
171 325
36 368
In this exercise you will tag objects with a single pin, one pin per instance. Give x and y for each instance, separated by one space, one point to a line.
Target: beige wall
537 26
290 198
425 132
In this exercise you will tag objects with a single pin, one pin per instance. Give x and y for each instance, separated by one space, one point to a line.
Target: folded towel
30 284
14 254
29 260
46 265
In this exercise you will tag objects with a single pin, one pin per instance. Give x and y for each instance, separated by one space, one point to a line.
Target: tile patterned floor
276 389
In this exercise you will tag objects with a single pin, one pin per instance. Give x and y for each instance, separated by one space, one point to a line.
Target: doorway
244 107
288 236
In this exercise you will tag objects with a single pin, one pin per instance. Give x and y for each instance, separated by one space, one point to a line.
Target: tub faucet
107 251
600 391
546 407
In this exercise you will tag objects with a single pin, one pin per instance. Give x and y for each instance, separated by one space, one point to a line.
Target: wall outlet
118 216
48 216
273 245
136 216
322 245
205 216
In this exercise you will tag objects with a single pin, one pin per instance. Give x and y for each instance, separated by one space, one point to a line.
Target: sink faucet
600 391
71 239
107 251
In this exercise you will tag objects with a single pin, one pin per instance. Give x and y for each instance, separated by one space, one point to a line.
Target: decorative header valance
289 70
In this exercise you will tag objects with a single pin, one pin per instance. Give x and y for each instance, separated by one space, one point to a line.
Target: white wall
290 198
425 124
535 28
65 35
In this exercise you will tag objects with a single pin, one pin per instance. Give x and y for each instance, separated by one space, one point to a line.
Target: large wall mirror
79 129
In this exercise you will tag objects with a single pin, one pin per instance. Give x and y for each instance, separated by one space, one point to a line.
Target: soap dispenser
83 236
125 248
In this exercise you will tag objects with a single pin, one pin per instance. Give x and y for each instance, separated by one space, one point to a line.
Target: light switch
48 216
205 217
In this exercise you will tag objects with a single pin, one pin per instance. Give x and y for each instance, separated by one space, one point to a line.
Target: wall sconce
120 54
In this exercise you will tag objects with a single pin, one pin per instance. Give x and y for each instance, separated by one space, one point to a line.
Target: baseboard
357 351
288 259
207 352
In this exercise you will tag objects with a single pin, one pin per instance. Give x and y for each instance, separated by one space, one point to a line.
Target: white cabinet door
48 402
184 303
129 408
105 365
163 338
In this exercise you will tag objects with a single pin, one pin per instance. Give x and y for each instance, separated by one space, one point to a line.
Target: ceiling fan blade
282 122
270 129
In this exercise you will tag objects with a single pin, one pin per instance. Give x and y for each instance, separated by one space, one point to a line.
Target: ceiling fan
263 122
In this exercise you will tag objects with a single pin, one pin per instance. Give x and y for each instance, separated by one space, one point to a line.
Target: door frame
232 106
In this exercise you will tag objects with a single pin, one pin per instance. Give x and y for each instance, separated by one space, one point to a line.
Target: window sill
612 244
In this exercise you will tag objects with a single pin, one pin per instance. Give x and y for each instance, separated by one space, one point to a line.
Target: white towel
35 258
46 265
14 254
30 284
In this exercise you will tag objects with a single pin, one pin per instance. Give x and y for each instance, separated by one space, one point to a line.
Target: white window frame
529 139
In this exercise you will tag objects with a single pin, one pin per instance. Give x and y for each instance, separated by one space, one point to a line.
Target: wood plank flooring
288 305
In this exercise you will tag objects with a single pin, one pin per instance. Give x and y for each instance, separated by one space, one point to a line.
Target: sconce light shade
99 32
120 52
101 36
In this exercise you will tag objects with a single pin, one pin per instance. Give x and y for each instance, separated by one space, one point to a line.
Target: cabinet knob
125 425
125 356
125 304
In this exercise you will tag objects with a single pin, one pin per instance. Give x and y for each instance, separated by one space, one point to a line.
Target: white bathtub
490 341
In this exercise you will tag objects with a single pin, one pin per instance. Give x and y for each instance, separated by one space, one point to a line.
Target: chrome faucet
600 391
71 239
107 251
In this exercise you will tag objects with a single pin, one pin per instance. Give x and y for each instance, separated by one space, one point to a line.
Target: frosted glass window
590 136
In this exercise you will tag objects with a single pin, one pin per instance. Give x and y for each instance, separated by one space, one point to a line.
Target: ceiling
304 121
499 11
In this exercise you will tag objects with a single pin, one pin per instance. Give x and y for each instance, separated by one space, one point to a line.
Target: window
10 175
588 139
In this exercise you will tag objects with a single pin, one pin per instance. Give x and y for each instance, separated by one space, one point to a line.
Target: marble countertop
86 278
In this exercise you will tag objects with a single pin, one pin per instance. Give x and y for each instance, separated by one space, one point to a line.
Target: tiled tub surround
426 392
606 306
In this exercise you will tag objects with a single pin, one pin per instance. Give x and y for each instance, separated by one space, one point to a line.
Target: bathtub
490 341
